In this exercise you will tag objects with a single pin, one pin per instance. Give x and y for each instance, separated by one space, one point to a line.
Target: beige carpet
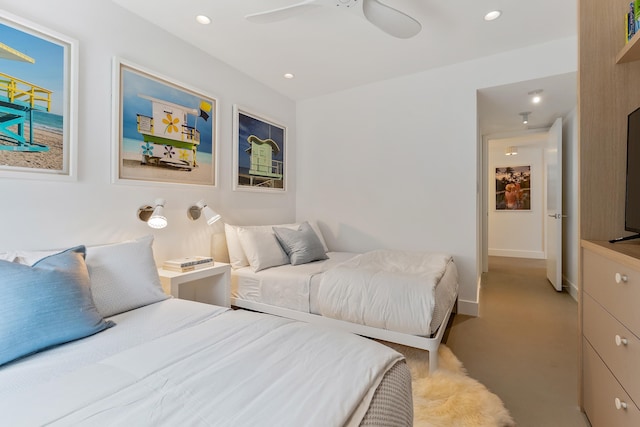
450 398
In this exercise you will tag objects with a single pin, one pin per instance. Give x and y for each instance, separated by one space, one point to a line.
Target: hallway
524 344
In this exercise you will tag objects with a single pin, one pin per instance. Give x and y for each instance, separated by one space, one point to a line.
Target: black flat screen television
632 197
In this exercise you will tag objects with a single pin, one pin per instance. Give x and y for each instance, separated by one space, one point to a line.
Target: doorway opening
521 234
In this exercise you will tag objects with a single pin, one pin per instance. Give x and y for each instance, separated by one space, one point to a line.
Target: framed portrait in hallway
513 188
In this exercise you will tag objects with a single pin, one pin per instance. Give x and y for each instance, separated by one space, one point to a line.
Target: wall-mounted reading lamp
201 207
153 215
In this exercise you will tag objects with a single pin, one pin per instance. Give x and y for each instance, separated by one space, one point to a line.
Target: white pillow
27 257
237 256
261 248
315 227
124 276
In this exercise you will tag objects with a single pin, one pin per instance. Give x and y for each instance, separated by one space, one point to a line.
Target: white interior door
553 219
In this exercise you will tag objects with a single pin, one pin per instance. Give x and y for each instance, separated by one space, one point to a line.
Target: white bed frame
424 343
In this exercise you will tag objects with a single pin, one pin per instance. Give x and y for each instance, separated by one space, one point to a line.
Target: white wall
392 164
45 214
395 164
518 233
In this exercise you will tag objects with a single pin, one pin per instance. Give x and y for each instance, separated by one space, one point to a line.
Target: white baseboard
469 308
570 287
517 254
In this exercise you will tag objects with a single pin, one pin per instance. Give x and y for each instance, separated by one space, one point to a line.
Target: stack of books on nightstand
188 264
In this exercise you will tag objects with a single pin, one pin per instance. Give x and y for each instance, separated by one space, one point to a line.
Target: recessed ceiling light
288 76
536 96
204 20
493 15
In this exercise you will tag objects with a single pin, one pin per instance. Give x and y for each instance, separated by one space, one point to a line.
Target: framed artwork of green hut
38 101
259 152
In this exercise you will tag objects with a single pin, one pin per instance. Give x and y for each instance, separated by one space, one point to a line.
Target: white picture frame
39 93
164 132
259 152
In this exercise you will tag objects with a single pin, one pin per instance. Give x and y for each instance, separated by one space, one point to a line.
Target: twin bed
89 338
398 296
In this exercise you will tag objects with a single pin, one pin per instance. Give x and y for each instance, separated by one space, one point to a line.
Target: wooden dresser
610 308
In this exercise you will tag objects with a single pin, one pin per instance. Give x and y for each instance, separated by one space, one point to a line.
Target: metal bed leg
433 361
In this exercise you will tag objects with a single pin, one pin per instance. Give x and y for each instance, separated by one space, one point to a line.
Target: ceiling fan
388 19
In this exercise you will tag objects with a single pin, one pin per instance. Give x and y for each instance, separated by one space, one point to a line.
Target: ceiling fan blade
282 13
390 20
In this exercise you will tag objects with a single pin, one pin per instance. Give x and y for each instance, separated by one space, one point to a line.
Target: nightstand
211 285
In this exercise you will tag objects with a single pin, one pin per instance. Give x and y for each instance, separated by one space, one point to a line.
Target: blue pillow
46 304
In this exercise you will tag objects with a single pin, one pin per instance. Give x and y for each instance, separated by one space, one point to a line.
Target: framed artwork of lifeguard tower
38 101
165 131
259 153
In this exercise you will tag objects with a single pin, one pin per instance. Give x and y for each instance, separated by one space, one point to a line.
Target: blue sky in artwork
248 126
48 69
135 84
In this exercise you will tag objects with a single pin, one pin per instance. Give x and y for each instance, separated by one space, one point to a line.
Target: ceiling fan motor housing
346 3
391 21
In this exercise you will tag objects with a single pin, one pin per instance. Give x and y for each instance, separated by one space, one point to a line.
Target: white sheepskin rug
449 397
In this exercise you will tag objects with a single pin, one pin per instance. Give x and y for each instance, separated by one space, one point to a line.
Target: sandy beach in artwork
53 159
134 169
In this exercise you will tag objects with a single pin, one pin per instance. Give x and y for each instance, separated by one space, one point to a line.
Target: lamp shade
157 218
195 211
210 215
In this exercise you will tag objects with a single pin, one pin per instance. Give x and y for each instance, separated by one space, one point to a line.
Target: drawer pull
621 341
621 278
620 404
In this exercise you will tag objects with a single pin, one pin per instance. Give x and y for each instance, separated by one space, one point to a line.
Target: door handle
557 216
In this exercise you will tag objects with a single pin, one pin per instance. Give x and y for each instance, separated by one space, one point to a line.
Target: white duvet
234 369
392 290
287 286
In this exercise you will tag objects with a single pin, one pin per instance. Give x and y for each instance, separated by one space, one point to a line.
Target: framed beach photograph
259 161
38 101
165 131
513 188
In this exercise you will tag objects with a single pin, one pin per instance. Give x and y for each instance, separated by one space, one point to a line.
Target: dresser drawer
600 393
621 296
615 344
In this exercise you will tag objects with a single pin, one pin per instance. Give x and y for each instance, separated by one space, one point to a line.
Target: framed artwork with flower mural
513 188
259 161
164 131
38 101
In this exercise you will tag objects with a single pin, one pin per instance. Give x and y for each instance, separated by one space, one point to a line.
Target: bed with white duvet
141 358
399 296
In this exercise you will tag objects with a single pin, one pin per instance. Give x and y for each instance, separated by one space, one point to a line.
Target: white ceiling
499 107
330 49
